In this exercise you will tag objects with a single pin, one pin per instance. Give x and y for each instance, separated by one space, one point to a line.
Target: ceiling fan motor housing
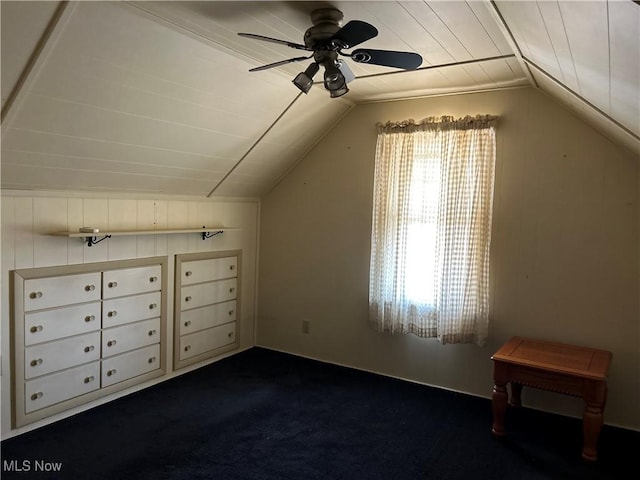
326 22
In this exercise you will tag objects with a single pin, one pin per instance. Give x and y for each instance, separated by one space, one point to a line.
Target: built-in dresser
206 303
85 331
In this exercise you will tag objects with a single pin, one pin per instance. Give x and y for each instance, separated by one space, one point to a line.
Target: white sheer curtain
432 209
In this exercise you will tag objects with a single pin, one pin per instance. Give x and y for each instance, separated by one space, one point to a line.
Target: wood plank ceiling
156 97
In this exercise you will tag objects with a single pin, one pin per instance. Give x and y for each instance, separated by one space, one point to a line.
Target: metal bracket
93 240
206 235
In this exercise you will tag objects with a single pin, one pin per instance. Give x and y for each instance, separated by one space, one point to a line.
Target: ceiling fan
327 40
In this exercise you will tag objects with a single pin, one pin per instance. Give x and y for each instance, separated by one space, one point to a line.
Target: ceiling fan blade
354 33
387 58
281 62
346 71
275 40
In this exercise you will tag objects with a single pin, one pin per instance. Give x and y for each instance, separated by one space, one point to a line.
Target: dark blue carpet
264 415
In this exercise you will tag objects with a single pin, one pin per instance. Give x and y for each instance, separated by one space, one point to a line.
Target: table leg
516 395
595 395
499 399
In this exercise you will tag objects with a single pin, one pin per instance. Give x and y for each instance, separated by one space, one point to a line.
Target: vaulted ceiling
157 97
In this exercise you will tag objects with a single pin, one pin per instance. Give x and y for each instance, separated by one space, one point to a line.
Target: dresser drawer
129 281
199 271
58 291
205 340
63 322
128 337
131 364
207 317
45 391
194 296
60 354
119 311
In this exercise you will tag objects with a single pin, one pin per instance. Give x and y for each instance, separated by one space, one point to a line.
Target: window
433 196
424 194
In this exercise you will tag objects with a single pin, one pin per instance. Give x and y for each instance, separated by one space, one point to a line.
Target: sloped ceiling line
508 35
442 65
255 144
580 97
55 26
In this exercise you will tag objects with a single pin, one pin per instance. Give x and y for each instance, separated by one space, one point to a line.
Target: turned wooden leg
595 395
516 395
499 399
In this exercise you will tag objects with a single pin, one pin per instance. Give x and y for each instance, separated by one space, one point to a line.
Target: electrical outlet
306 326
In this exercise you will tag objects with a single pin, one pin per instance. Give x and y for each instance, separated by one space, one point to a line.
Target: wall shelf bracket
206 235
93 240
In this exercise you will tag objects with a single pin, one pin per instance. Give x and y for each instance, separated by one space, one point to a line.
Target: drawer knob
231 290
112 284
112 313
88 349
152 332
230 312
36 362
111 343
232 267
152 306
187 348
89 318
35 329
230 334
89 379
89 288
187 323
188 273
36 396
153 279
35 295
152 359
187 299
111 372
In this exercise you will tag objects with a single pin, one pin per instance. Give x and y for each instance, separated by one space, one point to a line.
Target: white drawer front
45 391
53 356
64 290
119 311
207 317
61 322
129 365
129 281
199 271
194 296
128 337
205 340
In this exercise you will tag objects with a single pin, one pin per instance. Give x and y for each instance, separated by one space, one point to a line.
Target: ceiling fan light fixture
338 92
304 80
346 71
334 80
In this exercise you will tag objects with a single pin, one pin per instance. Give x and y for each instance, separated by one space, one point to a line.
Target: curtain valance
441 123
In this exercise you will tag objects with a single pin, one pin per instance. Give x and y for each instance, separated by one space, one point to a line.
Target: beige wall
27 218
564 252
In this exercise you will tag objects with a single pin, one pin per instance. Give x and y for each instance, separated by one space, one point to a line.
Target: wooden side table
561 368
